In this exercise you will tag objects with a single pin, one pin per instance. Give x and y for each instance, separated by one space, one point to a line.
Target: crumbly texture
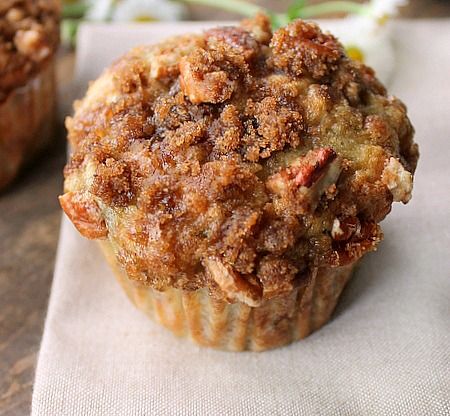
237 160
29 35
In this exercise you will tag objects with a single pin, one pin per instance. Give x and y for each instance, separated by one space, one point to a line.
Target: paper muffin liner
27 122
236 327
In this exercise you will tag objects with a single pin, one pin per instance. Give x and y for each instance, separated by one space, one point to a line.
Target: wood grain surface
29 226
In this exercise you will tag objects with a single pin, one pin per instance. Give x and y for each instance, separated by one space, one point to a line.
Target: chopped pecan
234 286
364 239
32 43
305 171
312 166
304 181
345 228
85 214
398 180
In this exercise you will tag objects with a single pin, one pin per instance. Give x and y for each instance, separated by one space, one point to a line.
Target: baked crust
29 36
238 161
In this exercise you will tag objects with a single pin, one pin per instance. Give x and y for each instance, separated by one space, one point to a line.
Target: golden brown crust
29 35
243 148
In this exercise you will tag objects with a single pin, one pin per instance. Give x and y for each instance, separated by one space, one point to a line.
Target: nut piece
32 43
236 288
312 166
85 214
345 228
204 87
364 239
14 15
307 178
398 180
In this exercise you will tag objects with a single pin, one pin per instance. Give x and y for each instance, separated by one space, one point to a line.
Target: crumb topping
237 160
29 35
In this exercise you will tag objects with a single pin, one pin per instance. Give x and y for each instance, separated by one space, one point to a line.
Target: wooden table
29 225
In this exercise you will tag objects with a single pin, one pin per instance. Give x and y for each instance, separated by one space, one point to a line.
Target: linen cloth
386 351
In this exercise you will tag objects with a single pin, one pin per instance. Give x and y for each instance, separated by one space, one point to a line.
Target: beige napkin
386 352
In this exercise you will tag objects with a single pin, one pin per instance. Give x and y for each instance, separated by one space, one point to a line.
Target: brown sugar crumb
236 39
277 126
237 160
112 183
202 82
226 132
277 276
303 49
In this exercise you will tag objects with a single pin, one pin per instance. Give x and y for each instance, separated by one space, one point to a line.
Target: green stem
235 6
331 7
74 10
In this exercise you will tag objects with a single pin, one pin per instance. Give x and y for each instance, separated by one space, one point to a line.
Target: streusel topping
237 159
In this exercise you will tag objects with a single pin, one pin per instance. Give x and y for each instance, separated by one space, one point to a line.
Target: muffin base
237 327
27 122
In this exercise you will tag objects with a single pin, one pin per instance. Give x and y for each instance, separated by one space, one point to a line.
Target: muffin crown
29 35
237 160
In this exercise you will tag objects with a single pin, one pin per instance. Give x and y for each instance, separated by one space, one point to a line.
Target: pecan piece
345 228
312 166
398 180
305 180
32 43
85 214
362 241
234 286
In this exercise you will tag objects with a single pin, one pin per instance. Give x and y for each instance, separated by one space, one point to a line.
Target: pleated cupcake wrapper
237 327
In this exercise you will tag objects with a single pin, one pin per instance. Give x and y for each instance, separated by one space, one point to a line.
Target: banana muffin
234 178
29 36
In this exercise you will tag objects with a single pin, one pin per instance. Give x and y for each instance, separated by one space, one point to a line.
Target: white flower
147 10
380 9
100 10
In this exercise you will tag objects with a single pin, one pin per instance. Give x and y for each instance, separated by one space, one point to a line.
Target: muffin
234 178
29 35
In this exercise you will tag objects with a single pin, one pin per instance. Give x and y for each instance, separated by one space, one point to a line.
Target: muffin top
29 35
237 160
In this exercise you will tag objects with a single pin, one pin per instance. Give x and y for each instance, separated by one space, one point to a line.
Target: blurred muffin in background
29 37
